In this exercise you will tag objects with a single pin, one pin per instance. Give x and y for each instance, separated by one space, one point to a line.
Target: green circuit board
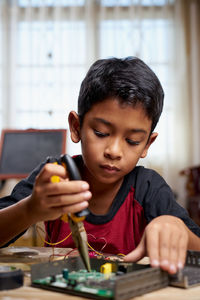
111 279
93 282
107 280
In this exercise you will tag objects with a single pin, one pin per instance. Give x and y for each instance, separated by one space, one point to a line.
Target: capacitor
106 268
65 273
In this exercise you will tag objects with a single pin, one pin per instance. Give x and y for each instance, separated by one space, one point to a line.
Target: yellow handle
77 219
55 178
73 217
64 218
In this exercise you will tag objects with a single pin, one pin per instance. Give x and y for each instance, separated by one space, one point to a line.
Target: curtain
46 47
191 17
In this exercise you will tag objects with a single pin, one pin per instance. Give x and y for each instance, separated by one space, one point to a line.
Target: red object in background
193 192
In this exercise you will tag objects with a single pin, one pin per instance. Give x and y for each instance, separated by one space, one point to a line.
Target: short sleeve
21 190
157 198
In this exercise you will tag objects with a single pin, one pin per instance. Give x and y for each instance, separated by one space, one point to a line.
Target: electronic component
107 280
111 279
106 268
190 275
10 278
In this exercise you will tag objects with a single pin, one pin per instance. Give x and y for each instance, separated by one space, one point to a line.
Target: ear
151 139
74 126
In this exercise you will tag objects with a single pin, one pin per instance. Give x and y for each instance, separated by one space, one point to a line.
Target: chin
107 179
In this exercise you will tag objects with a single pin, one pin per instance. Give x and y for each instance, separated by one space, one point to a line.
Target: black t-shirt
150 191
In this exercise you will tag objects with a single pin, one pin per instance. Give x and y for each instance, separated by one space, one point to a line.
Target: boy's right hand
50 201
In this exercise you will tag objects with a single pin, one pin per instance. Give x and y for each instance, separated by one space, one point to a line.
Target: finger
50 170
173 252
183 246
182 252
138 253
165 241
152 245
66 187
66 200
74 208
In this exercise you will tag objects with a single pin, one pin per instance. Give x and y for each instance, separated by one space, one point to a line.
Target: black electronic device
10 278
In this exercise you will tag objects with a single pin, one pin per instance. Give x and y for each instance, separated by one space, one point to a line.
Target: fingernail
155 263
172 268
180 265
165 262
87 195
85 186
84 204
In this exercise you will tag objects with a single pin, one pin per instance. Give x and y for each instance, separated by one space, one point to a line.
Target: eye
132 143
100 134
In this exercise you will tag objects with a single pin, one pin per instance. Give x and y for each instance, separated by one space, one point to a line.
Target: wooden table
24 257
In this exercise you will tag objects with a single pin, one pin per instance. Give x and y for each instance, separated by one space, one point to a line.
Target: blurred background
47 46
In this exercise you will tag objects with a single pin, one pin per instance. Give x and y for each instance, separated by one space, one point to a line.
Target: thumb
136 254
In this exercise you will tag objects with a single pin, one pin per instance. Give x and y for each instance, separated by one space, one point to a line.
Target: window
52 44
1 66
48 72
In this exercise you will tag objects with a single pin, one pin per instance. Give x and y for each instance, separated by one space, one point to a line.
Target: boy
133 210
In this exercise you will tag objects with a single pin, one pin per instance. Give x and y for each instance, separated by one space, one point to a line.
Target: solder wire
57 243
49 243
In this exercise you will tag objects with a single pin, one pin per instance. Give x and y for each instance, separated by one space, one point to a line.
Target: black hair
129 80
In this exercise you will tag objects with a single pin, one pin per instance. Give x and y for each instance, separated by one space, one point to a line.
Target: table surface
24 257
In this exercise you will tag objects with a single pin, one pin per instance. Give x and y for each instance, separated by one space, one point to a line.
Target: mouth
110 168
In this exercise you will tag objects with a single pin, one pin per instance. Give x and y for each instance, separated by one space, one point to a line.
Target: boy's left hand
165 241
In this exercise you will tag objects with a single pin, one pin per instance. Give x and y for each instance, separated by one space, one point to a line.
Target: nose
113 149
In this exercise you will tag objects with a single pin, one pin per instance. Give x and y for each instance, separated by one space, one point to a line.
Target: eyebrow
134 130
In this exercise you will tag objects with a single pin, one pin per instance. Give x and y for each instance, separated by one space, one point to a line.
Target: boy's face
113 139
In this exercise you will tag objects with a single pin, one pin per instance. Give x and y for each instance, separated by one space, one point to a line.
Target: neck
103 194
